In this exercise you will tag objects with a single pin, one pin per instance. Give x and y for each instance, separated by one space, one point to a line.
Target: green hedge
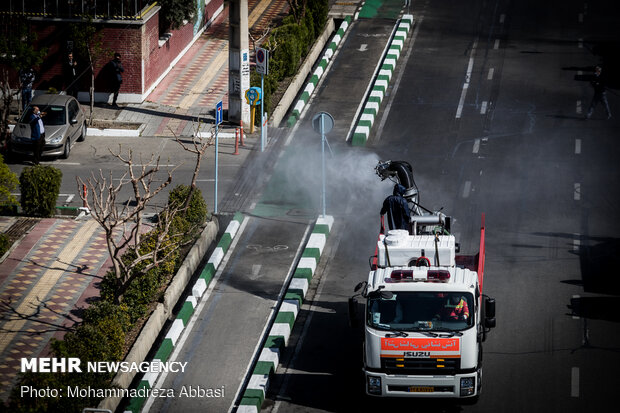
40 186
293 41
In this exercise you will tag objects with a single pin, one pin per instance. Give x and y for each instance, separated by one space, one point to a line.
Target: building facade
129 27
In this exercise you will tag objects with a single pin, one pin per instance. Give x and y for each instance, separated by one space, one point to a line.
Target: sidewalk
196 83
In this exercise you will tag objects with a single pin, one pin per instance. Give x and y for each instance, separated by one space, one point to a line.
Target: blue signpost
219 117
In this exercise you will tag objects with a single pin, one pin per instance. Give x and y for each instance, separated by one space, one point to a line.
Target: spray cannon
422 219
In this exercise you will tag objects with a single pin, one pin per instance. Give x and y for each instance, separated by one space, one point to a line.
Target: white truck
425 316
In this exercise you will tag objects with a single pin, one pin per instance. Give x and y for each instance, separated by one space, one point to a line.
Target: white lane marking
502 17
363 47
490 75
577 146
466 189
255 273
576 242
579 72
483 109
476 146
578 108
580 43
574 382
576 317
69 198
496 45
580 17
577 194
470 66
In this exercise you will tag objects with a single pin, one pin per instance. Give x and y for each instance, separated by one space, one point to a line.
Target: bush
187 222
294 41
8 184
5 244
40 186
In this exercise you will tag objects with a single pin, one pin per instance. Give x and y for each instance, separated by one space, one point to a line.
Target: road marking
483 109
255 271
580 43
496 46
490 75
466 189
577 146
576 242
502 17
574 382
576 317
578 108
69 198
363 47
577 194
476 146
470 66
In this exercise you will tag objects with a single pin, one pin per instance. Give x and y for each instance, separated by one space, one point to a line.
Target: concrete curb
374 99
200 286
160 314
318 72
115 132
254 393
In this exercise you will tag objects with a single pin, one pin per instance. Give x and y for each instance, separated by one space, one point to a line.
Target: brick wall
138 45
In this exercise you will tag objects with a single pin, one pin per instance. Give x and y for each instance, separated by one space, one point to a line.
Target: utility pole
238 62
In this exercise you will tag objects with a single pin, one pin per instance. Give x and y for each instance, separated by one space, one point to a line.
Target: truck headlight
374 385
467 386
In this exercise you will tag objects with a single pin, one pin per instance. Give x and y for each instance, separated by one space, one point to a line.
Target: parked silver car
65 124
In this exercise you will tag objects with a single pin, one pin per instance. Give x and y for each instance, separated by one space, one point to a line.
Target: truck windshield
422 311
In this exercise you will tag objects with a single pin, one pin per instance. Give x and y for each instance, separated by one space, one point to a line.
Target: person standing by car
26 79
37 133
71 75
117 77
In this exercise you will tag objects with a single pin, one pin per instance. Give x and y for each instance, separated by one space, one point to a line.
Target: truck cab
425 317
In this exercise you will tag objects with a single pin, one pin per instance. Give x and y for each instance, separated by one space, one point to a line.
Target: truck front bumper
431 386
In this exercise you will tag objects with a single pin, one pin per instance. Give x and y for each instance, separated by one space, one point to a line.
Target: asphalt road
512 144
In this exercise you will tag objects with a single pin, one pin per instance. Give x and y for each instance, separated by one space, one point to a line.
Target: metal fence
98 9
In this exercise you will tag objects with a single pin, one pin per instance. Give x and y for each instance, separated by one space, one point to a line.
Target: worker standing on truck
397 209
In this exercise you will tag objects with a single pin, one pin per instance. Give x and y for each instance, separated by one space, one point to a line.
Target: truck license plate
421 389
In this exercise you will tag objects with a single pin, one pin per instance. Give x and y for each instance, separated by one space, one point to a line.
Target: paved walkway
41 281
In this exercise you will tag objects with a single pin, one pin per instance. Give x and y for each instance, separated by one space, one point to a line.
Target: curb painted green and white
318 72
184 315
367 118
267 364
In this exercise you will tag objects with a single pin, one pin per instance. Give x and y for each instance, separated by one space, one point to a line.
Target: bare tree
6 98
123 221
198 148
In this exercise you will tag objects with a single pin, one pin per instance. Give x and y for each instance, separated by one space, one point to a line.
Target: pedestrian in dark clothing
70 70
600 92
117 78
26 79
37 133
397 209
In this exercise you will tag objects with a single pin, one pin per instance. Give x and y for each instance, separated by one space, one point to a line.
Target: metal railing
71 9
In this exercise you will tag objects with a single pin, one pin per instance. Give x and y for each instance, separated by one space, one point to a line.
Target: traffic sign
253 95
219 113
327 123
262 61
